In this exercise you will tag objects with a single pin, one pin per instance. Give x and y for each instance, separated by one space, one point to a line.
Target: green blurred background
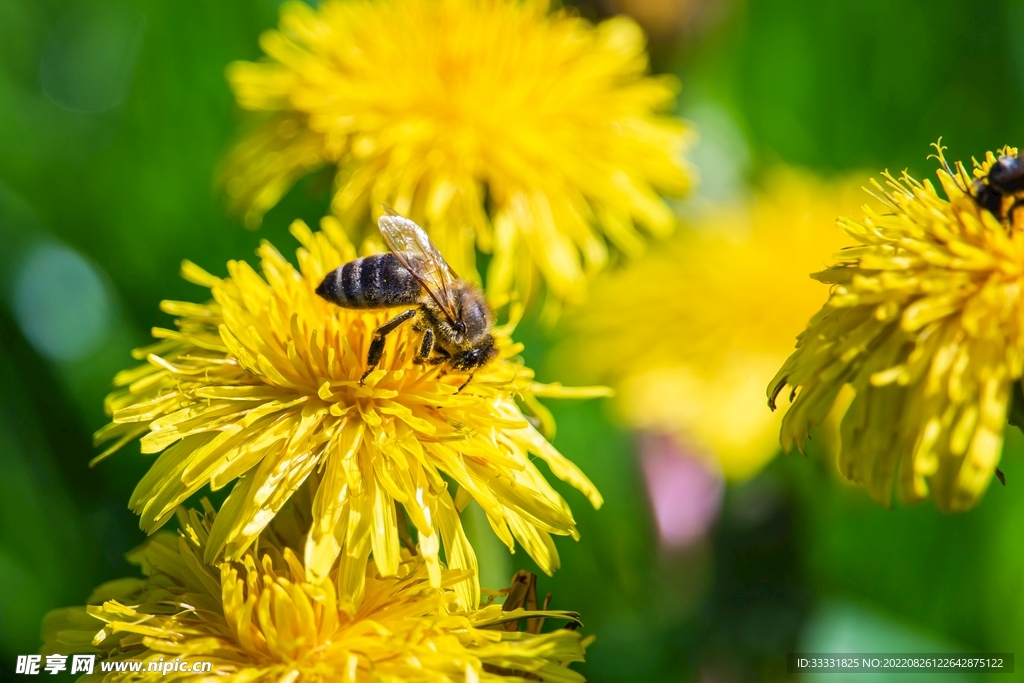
113 116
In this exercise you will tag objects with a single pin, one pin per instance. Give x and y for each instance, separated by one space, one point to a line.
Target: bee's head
477 356
472 318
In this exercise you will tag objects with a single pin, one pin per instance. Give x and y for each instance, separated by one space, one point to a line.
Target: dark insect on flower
452 314
1003 180
923 324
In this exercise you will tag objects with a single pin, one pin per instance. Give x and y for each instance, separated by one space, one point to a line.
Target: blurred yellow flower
925 322
532 134
262 385
259 619
688 334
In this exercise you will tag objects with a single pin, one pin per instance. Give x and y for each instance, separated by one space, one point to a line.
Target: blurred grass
858 84
829 86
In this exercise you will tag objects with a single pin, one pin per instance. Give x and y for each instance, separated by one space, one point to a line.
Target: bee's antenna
955 177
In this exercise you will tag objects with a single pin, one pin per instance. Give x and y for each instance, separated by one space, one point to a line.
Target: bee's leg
426 348
1010 212
955 177
377 343
440 358
468 380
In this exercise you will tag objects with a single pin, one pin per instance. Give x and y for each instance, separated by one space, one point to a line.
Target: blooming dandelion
924 322
687 334
265 385
530 134
260 619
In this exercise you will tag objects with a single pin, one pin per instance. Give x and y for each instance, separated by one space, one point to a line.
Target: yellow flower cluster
262 385
688 334
499 124
925 322
260 619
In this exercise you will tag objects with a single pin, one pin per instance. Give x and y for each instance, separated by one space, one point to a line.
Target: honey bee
451 314
1004 179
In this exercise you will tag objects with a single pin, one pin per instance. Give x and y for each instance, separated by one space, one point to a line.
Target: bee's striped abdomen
378 281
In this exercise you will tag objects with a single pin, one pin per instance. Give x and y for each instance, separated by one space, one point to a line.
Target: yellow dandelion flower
531 134
688 334
262 385
260 619
924 322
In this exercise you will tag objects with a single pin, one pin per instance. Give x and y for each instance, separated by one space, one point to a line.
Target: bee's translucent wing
417 253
